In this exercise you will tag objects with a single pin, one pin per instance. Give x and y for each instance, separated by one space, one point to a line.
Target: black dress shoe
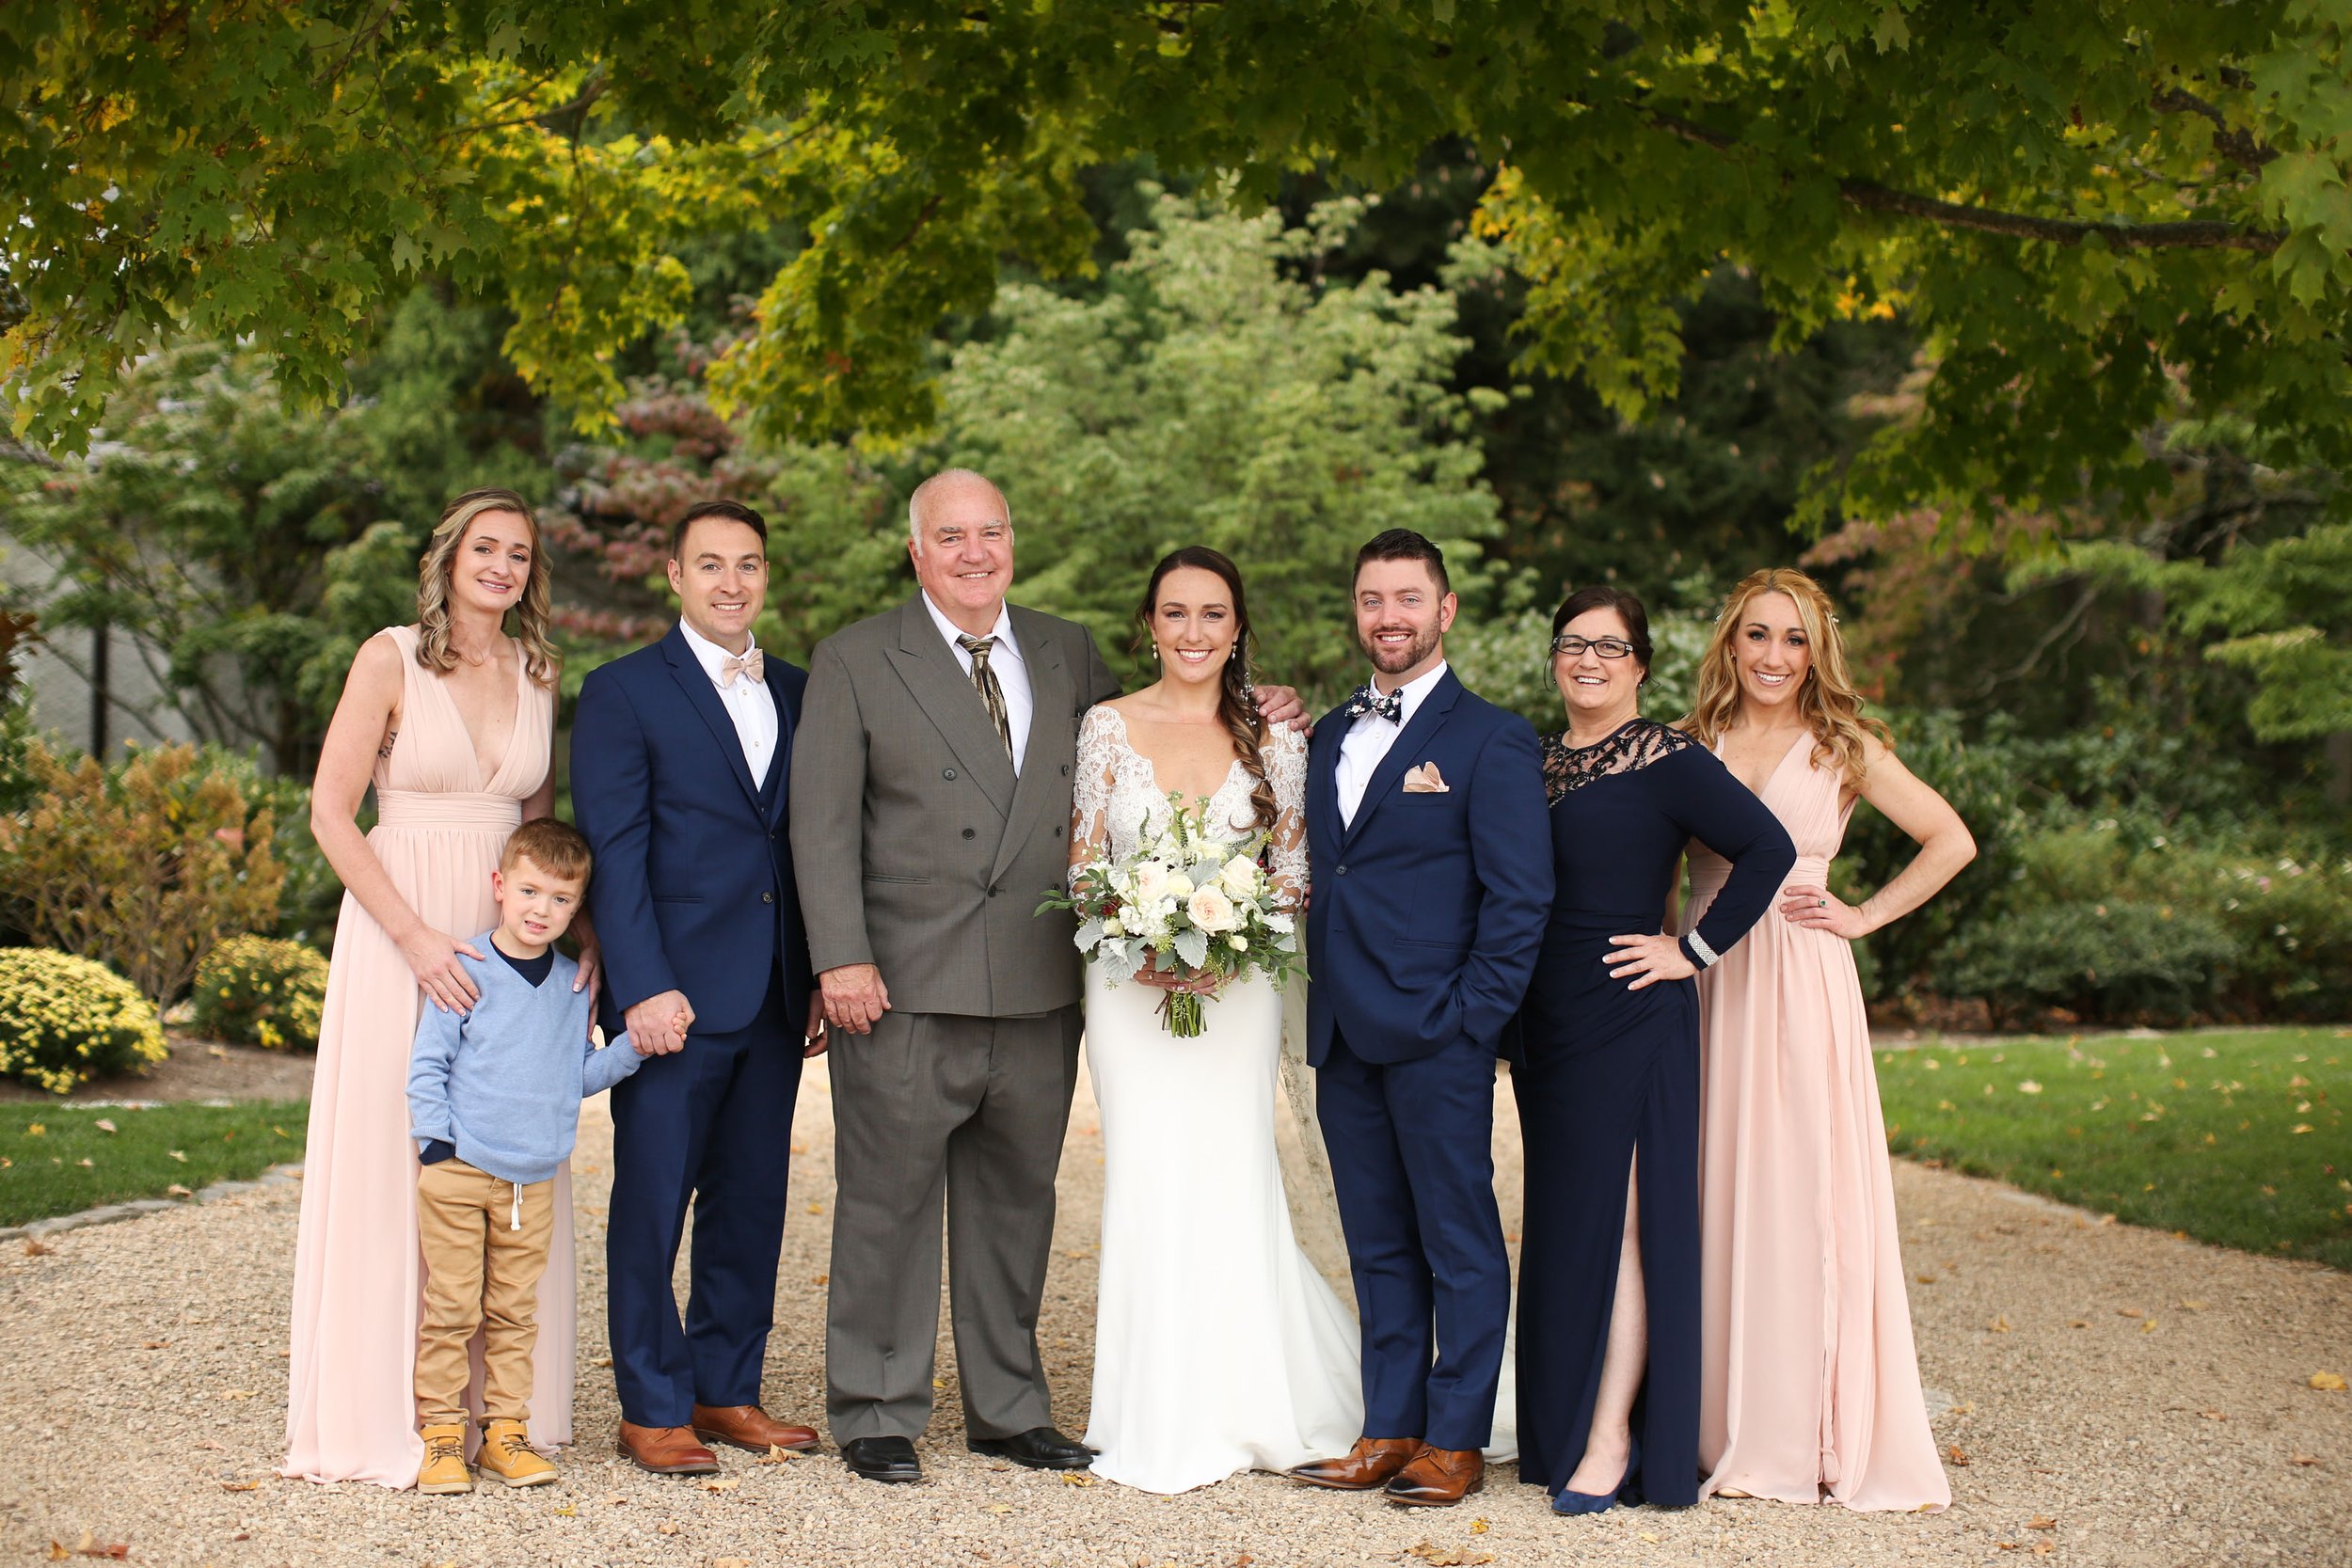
1040 1448
882 1459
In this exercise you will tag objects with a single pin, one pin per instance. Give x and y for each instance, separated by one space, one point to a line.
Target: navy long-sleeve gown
1604 1071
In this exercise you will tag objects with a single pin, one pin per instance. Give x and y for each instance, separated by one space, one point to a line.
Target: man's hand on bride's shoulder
1281 706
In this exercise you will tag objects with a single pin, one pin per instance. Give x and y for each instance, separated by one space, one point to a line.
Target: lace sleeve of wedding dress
1284 758
1097 777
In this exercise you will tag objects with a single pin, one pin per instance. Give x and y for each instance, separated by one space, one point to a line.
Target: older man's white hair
948 479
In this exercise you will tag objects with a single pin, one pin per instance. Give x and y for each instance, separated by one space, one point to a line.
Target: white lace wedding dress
1218 1346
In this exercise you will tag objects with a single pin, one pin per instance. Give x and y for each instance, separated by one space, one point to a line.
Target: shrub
261 990
2106 962
144 866
64 1021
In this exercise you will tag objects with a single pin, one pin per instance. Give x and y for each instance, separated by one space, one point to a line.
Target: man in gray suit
930 810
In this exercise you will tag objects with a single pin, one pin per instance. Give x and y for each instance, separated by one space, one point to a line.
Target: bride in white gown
1218 1346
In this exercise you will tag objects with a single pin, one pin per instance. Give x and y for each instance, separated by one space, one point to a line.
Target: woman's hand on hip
1645 960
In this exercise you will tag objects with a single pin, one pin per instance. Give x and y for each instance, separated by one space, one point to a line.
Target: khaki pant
481 1271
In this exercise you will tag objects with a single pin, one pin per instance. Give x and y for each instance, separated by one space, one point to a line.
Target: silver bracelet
1707 955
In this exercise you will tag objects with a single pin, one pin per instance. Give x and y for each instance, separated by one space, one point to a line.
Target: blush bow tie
1390 707
750 664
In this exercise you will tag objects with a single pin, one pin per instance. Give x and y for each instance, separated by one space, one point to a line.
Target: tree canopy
2094 215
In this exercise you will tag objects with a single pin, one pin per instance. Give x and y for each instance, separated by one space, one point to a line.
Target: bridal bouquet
1190 902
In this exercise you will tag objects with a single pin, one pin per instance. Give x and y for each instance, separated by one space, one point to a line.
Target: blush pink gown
358 1286
1809 1381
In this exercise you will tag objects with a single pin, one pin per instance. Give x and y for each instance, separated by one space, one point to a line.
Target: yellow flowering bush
64 1021
261 990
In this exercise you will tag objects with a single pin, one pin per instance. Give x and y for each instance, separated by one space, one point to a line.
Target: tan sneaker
444 1466
506 1454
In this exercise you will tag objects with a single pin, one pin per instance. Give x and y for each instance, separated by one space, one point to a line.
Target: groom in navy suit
1431 856
681 757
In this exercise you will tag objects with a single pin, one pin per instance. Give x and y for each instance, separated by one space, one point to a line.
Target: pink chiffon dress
1808 1378
358 1278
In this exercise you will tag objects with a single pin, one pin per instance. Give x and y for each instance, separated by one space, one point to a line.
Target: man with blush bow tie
1431 854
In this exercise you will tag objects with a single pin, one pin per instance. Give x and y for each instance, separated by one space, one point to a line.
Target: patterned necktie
1365 700
991 694
750 664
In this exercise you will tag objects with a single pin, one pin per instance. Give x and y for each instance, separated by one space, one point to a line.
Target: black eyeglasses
1608 647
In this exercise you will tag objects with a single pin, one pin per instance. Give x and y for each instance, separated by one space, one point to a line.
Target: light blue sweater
504 1081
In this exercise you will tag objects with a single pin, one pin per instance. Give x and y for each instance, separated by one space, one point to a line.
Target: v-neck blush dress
358 1279
1808 1378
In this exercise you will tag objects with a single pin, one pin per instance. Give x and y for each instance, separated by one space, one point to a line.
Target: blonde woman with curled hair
451 722
1809 1383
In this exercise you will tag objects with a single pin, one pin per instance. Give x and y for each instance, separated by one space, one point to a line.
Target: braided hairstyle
1235 706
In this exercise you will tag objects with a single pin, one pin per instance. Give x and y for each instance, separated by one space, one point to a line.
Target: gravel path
2142 1400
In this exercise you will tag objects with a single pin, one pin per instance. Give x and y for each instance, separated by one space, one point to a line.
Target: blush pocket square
1426 780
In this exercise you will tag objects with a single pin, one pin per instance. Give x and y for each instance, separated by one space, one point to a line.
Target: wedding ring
1823 902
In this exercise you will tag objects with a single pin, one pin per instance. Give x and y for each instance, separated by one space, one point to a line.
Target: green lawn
2235 1136
55 1159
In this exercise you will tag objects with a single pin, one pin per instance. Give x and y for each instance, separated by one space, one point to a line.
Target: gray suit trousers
934 1108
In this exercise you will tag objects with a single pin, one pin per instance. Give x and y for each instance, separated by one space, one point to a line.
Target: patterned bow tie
750 664
1390 707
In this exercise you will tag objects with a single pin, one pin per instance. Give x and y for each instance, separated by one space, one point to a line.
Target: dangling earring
1155 653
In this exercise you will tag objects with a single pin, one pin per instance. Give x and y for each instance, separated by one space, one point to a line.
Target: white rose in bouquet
1149 883
1212 912
1178 885
1240 876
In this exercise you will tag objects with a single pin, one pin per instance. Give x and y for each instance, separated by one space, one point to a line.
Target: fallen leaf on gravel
56 1548
2128 1312
154 1345
1926 1278
106 1126
599 1361
1956 1456
723 1483
208 1443
2192 1306
2006 1546
816 1208
1650 1538
2148 1325
2041 1521
1478 1527
2213 1415
2079 1322
175 1189
241 1487
1999 1324
820 1279
1446 1557
239 1394
667 1527
90 1546
776 1454
2043 1549
1000 1508
1072 1478
2302 1459
2328 1382
35 1247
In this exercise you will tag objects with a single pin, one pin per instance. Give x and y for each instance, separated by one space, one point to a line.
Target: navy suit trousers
712 1124
1412 1161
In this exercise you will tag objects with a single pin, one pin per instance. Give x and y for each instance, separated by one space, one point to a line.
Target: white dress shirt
1005 662
1368 737
749 704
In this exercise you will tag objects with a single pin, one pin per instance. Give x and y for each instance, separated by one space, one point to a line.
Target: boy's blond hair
555 848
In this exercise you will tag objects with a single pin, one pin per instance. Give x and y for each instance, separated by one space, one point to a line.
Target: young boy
494 1105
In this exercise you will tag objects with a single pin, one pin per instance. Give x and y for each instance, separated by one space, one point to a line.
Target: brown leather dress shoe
1437 1478
747 1426
666 1450
1368 1464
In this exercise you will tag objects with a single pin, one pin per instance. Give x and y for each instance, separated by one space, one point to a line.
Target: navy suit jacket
1428 908
693 887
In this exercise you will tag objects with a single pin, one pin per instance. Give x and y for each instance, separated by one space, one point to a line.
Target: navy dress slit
1602 1073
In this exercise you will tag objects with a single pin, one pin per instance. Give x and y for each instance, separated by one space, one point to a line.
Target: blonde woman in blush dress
1809 1383
451 721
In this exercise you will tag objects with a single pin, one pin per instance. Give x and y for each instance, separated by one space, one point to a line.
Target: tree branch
2239 147
1870 195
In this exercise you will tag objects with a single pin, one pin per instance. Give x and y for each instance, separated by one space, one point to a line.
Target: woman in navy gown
1608 1078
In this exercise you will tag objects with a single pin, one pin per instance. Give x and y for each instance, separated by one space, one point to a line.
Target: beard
1396 660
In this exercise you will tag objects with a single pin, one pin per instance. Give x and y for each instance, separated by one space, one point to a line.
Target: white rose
1211 910
1150 882
1240 876
1178 885
1240 944
1112 927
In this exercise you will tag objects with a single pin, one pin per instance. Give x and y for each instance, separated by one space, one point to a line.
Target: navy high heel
1566 1502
